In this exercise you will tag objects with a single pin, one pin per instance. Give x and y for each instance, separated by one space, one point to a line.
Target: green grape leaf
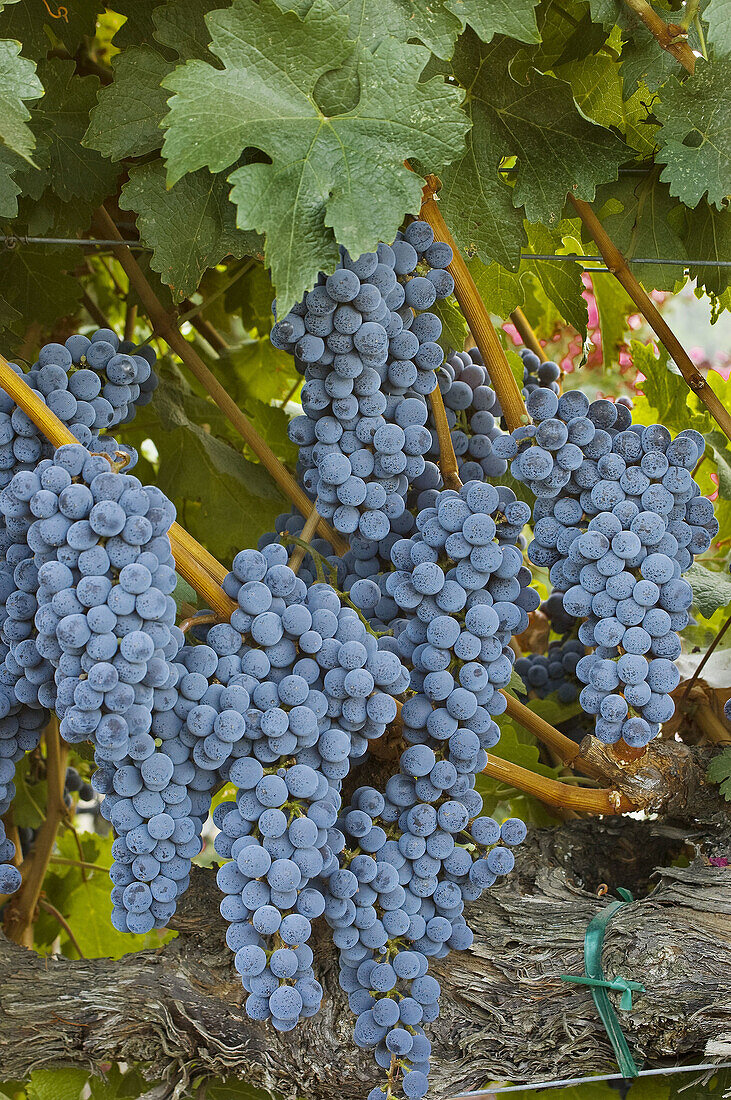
9 190
57 1084
237 499
516 19
666 390
614 306
34 281
191 226
500 290
184 594
557 148
180 26
560 280
717 15
9 317
640 218
454 327
72 171
707 236
271 423
608 12
722 453
115 1085
321 185
255 368
126 119
711 589
31 23
370 21
18 83
235 1090
484 220
644 62
88 913
251 296
695 138
224 500
719 771
597 86
29 803
138 27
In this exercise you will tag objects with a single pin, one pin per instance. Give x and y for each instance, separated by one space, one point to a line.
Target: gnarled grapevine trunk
505 1011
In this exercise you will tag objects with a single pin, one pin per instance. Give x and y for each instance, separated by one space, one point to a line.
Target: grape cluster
291 691
91 384
279 837
105 616
618 518
554 671
416 853
553 609
369 358
157 798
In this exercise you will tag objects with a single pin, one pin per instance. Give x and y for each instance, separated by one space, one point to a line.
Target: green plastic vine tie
594 977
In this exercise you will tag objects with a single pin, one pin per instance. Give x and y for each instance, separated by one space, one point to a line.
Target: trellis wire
665 1071
10 240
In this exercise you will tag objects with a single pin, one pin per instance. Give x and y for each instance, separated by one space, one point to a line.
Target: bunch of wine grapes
618 519
364 340
421 849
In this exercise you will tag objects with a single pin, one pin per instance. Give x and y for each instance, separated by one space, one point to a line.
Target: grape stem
559 795
476 315
93 310
618 266
568 751
204 328
527 334
81 863
59 917
130 320
447 458
300 551
706 656
22 909
673 37
166 325
199 568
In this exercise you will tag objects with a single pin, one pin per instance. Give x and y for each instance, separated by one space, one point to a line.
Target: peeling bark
668 777
505 1011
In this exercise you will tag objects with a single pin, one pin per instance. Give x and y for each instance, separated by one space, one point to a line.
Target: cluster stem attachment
448 465
475 314
594 800
527 334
